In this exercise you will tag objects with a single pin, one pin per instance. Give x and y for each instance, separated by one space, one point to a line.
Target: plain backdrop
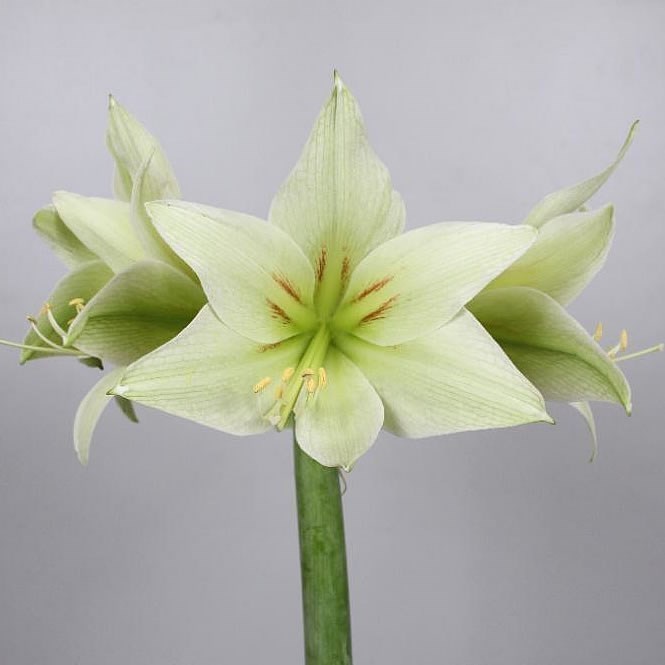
178 544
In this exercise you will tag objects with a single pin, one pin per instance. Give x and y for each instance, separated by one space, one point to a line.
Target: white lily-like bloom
329 318
524 307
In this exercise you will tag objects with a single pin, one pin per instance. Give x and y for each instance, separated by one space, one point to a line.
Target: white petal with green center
256 278
69 249
209 374
341 418
570 199
338 203
83 282
103 226
131 144
567 254
89 412
414 283
138 310
451 380
549 347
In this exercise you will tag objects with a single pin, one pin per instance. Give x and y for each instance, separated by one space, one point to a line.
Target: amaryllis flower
328 317
127 292
524 307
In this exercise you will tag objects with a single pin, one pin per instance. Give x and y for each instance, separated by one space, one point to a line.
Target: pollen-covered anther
262 385
78 304
323 378
623 340
620 347
287 374
311 385
598 332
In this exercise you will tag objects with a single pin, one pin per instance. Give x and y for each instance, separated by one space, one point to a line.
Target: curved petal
413 284
138 310
452 380
143 191
68 248
338 202
84 283
584 409
549 347
570 199
256 278
207 374
89 412
131 145
339 422
103 226
566 256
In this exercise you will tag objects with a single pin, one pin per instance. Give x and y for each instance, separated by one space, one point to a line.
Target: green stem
325 589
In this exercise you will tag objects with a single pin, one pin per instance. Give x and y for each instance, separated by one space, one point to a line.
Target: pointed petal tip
112 102
337 81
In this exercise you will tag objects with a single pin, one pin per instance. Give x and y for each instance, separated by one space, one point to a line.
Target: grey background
178 544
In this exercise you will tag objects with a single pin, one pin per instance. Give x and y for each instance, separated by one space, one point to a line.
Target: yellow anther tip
598 332
287 374
261 385
623 340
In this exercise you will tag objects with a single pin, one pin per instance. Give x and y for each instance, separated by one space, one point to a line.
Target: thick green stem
325 589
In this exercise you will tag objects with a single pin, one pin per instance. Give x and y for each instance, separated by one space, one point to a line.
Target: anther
287 374
623 340
279 393
307 373
261 385
78 304
323 377
598 333
311 385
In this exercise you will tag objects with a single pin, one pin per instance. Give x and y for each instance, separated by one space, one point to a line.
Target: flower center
298 385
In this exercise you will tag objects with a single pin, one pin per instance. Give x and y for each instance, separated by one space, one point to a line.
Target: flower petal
549 347
570 199
69 249
138 310
103 226
451 380
207 373
84 283
256 278
338 203
584 409
89 412
413 284
339 423
131 145
144 190
567 254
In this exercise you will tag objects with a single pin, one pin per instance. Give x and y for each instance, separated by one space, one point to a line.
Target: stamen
287 374
78 304
623 340
33 324
311 385
279 393
323 378
638 354
307 373
41 349
262 384
598 333
54 324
